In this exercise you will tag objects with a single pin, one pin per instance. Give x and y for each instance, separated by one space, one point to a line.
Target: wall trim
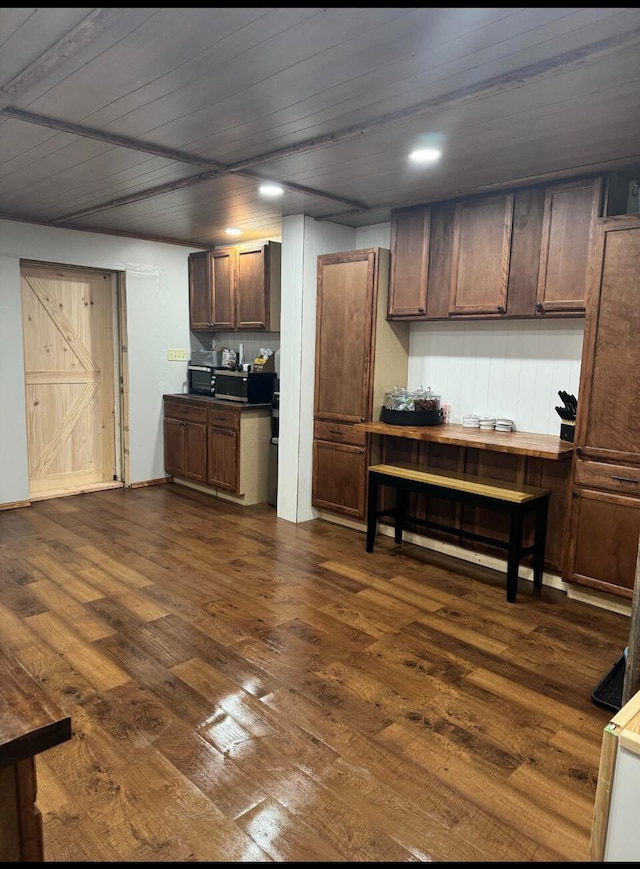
13 504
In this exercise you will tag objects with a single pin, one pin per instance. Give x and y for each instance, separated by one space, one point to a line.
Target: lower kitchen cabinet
224 447
223 444
605 529
340 478
185 441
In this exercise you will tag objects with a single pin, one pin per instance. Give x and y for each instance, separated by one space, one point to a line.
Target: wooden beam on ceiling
74 41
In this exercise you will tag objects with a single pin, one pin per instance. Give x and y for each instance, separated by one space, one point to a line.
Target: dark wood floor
245 689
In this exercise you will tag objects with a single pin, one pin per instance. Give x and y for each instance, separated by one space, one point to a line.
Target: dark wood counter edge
30 722
516 443
211 399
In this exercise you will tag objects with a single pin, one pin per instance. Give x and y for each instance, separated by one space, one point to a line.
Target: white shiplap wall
511 368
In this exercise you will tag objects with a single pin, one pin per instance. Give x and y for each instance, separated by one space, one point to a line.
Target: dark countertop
221 402
30 722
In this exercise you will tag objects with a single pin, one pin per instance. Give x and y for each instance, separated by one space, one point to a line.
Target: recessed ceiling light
271 190
231 230
425 155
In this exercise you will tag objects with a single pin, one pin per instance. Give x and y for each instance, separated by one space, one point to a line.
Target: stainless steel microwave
250 387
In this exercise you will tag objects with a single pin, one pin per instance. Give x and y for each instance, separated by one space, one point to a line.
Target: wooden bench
516 501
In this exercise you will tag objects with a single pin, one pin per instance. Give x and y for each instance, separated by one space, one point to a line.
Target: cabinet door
409 263
195 455
223 458
346 293
481 252
608 425
174 446
223 281
252 288
570 212
340 478
200 291
605 530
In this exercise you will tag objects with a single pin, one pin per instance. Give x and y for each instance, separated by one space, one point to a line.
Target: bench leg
513 554
401 506
539 541
372 511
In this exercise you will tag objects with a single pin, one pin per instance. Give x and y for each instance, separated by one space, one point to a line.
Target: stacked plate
471 421
504 425
487 423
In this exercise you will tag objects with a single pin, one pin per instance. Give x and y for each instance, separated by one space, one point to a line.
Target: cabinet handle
575 494
539 306
501 309
421 310
361 452
624 479
579 450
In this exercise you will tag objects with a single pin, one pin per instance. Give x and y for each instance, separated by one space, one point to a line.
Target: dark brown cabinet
410 237
223 448
359 356
525 253
606 516
185 441
570 213
480 256
236 288
220 444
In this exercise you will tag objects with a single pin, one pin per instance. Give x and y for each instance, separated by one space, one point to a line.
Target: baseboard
11 505
552 580
141 483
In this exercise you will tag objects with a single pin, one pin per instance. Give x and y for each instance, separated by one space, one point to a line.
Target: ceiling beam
525 75
74 41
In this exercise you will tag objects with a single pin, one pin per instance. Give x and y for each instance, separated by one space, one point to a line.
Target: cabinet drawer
340 434
613 478
222 418
185 411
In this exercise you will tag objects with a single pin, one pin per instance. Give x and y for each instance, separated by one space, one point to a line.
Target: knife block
568 430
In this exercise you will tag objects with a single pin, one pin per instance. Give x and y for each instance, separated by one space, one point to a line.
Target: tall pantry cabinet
359 356
605 522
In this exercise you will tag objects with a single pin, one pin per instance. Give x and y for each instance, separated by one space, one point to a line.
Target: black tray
608 691
412 417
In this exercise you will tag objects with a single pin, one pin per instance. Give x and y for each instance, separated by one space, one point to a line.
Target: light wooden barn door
68 329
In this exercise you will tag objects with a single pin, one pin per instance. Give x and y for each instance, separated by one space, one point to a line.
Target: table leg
539 541
514 551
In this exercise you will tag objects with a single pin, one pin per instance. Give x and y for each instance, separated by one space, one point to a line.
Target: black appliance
250 387
273 449
202 379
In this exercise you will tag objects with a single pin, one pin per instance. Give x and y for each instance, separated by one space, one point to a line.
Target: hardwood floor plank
246 689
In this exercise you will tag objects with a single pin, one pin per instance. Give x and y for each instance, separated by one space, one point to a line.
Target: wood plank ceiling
160 123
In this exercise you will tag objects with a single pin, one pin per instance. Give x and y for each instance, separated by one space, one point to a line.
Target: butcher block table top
515 442
30 722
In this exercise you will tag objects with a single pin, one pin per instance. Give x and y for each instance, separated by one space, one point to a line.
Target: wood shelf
515 442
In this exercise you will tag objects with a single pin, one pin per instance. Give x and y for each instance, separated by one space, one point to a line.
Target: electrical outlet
174 355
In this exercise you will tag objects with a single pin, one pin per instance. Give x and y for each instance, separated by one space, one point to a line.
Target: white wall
157 318
512 368
303 240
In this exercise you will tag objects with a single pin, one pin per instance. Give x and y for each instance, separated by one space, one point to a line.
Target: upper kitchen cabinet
480 256
236 289
570 213
410 236
200 300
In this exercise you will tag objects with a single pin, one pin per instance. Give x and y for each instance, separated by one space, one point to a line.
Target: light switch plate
174 355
